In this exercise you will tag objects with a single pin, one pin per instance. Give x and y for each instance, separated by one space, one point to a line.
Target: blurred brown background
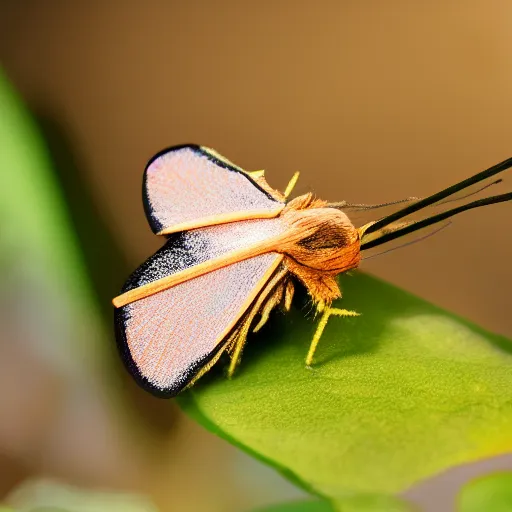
371 101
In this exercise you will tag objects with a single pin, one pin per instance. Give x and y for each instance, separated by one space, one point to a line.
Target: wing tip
141 380
131 366
169 149
154 223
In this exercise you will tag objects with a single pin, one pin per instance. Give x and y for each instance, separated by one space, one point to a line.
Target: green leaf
299 506
39 249
42 269
396 395
49 316
358 503
491 493
49 496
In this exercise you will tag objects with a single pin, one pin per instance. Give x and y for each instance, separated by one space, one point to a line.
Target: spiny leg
288 295
283 295
238 345
256 174
326 311
207 367
237 341
291 184
267 308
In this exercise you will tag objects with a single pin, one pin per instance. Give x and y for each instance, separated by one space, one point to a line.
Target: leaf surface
396 395
299 506
357 503
492 493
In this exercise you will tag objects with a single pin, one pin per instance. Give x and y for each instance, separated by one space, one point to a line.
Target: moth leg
291 185
326 311
238 344
271 303
288 295
256 174
206 368
283 295
237 341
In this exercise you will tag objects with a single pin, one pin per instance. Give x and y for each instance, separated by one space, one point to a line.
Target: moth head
323 239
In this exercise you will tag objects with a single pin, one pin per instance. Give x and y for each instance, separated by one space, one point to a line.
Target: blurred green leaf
33 213
57 357
492 493
42 268
396 395
299 506
49 496
371 503
105 262
359 503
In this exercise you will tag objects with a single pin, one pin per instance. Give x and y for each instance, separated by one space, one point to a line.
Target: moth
235 249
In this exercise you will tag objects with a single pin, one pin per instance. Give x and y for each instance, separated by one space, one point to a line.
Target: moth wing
191 186
166 338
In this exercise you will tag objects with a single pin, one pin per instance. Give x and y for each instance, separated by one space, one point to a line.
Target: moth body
321 243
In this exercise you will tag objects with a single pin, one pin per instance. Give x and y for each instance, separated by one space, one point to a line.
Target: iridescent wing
168 337
190 186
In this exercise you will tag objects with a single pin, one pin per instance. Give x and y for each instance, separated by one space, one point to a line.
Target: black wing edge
154 223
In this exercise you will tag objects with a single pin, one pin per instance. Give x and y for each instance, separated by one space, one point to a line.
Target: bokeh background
371 101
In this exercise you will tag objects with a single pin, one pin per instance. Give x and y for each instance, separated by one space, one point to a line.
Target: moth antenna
343 204
422 203
472 193
434 219
412 242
